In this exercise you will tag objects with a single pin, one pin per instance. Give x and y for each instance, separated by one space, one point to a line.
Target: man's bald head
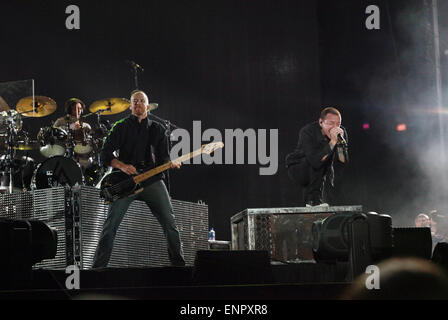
140 92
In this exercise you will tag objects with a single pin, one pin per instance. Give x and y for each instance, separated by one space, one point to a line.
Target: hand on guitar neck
176 164
129 169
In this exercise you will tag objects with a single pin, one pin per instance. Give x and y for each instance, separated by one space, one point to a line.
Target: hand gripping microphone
341 140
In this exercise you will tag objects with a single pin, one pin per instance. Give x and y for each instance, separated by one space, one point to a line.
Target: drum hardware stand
101 126
104 131
10 153
69 146
100 171
22 177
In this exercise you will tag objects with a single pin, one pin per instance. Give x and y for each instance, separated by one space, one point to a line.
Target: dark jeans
310 179
157 198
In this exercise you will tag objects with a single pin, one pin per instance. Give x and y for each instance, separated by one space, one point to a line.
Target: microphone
134 65
341 140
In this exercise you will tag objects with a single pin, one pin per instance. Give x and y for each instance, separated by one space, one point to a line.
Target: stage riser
78 215
47 205
284 232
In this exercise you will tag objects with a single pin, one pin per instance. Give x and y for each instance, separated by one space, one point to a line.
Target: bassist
139 142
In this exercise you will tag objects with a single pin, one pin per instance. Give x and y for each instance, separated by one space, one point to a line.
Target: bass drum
57 172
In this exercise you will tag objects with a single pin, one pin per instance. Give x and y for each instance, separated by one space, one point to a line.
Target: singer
317 163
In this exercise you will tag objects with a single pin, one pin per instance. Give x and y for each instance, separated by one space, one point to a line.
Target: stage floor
283 282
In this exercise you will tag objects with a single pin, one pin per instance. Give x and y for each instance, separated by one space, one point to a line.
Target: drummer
74 108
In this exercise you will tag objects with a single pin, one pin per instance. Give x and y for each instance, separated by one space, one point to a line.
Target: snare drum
52 141
56 172
83 141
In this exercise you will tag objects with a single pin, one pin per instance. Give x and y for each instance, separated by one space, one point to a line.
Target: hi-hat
110 106
26 145
3 105
43 106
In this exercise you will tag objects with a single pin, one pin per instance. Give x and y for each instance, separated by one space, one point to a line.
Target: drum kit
72 155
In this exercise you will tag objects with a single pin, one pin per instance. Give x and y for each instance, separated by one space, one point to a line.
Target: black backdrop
239 64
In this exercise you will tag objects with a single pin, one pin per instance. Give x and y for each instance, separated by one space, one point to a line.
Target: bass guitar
118 184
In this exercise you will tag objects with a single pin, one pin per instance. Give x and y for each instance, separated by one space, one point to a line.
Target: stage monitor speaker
332 239
216 267
360 239
22 244
412 242
15 254
440 255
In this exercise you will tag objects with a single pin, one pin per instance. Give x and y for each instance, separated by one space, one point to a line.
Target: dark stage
250 74
289 282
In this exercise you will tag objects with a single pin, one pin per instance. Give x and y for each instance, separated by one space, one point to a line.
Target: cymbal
43 106
114 105
26 145
3 105
110 106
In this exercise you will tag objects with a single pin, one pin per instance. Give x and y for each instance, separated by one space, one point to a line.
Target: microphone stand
168 125
135 67
102 128
135 76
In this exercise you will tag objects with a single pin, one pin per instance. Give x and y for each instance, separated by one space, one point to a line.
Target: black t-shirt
143 145
313 146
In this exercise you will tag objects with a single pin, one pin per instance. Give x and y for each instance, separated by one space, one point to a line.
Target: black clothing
305 165
134 141
136 144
